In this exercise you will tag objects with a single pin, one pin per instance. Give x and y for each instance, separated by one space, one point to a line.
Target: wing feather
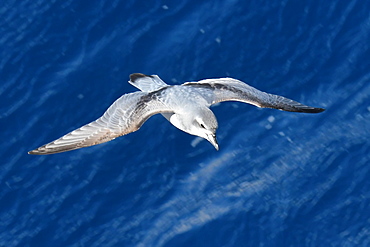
124 116
228 89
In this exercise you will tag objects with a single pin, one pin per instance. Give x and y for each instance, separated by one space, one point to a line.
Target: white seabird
186 106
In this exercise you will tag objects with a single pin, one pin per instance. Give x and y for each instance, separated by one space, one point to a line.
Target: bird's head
202 123
205 126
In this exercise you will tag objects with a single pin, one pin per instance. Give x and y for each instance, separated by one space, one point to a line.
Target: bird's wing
124 116
147 83
228 89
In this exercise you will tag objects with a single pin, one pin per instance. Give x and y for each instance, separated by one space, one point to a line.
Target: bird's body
186 106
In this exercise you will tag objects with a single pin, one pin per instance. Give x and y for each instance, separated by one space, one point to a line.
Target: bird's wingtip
40 151
315 110
321 109
33 152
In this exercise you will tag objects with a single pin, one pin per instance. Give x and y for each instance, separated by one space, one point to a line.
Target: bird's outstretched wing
124 116
228 89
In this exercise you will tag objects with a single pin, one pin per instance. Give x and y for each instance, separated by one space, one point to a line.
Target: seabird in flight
186 106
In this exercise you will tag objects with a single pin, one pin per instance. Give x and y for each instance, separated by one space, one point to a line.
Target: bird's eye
202 125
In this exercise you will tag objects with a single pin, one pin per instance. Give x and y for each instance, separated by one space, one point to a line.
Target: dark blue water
279 179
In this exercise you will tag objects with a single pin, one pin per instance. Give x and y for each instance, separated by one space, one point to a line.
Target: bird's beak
212 139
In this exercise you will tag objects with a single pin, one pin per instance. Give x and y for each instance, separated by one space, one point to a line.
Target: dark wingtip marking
319 110
43 151
314 110
135 76
38 151
34 152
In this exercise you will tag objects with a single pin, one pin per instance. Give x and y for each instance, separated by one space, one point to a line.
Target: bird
186 106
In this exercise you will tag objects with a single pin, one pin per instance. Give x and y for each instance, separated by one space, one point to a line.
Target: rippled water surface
279 179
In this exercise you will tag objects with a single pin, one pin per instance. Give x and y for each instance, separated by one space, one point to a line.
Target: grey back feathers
185 106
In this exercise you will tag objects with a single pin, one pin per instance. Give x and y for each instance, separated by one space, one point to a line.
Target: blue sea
279 178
